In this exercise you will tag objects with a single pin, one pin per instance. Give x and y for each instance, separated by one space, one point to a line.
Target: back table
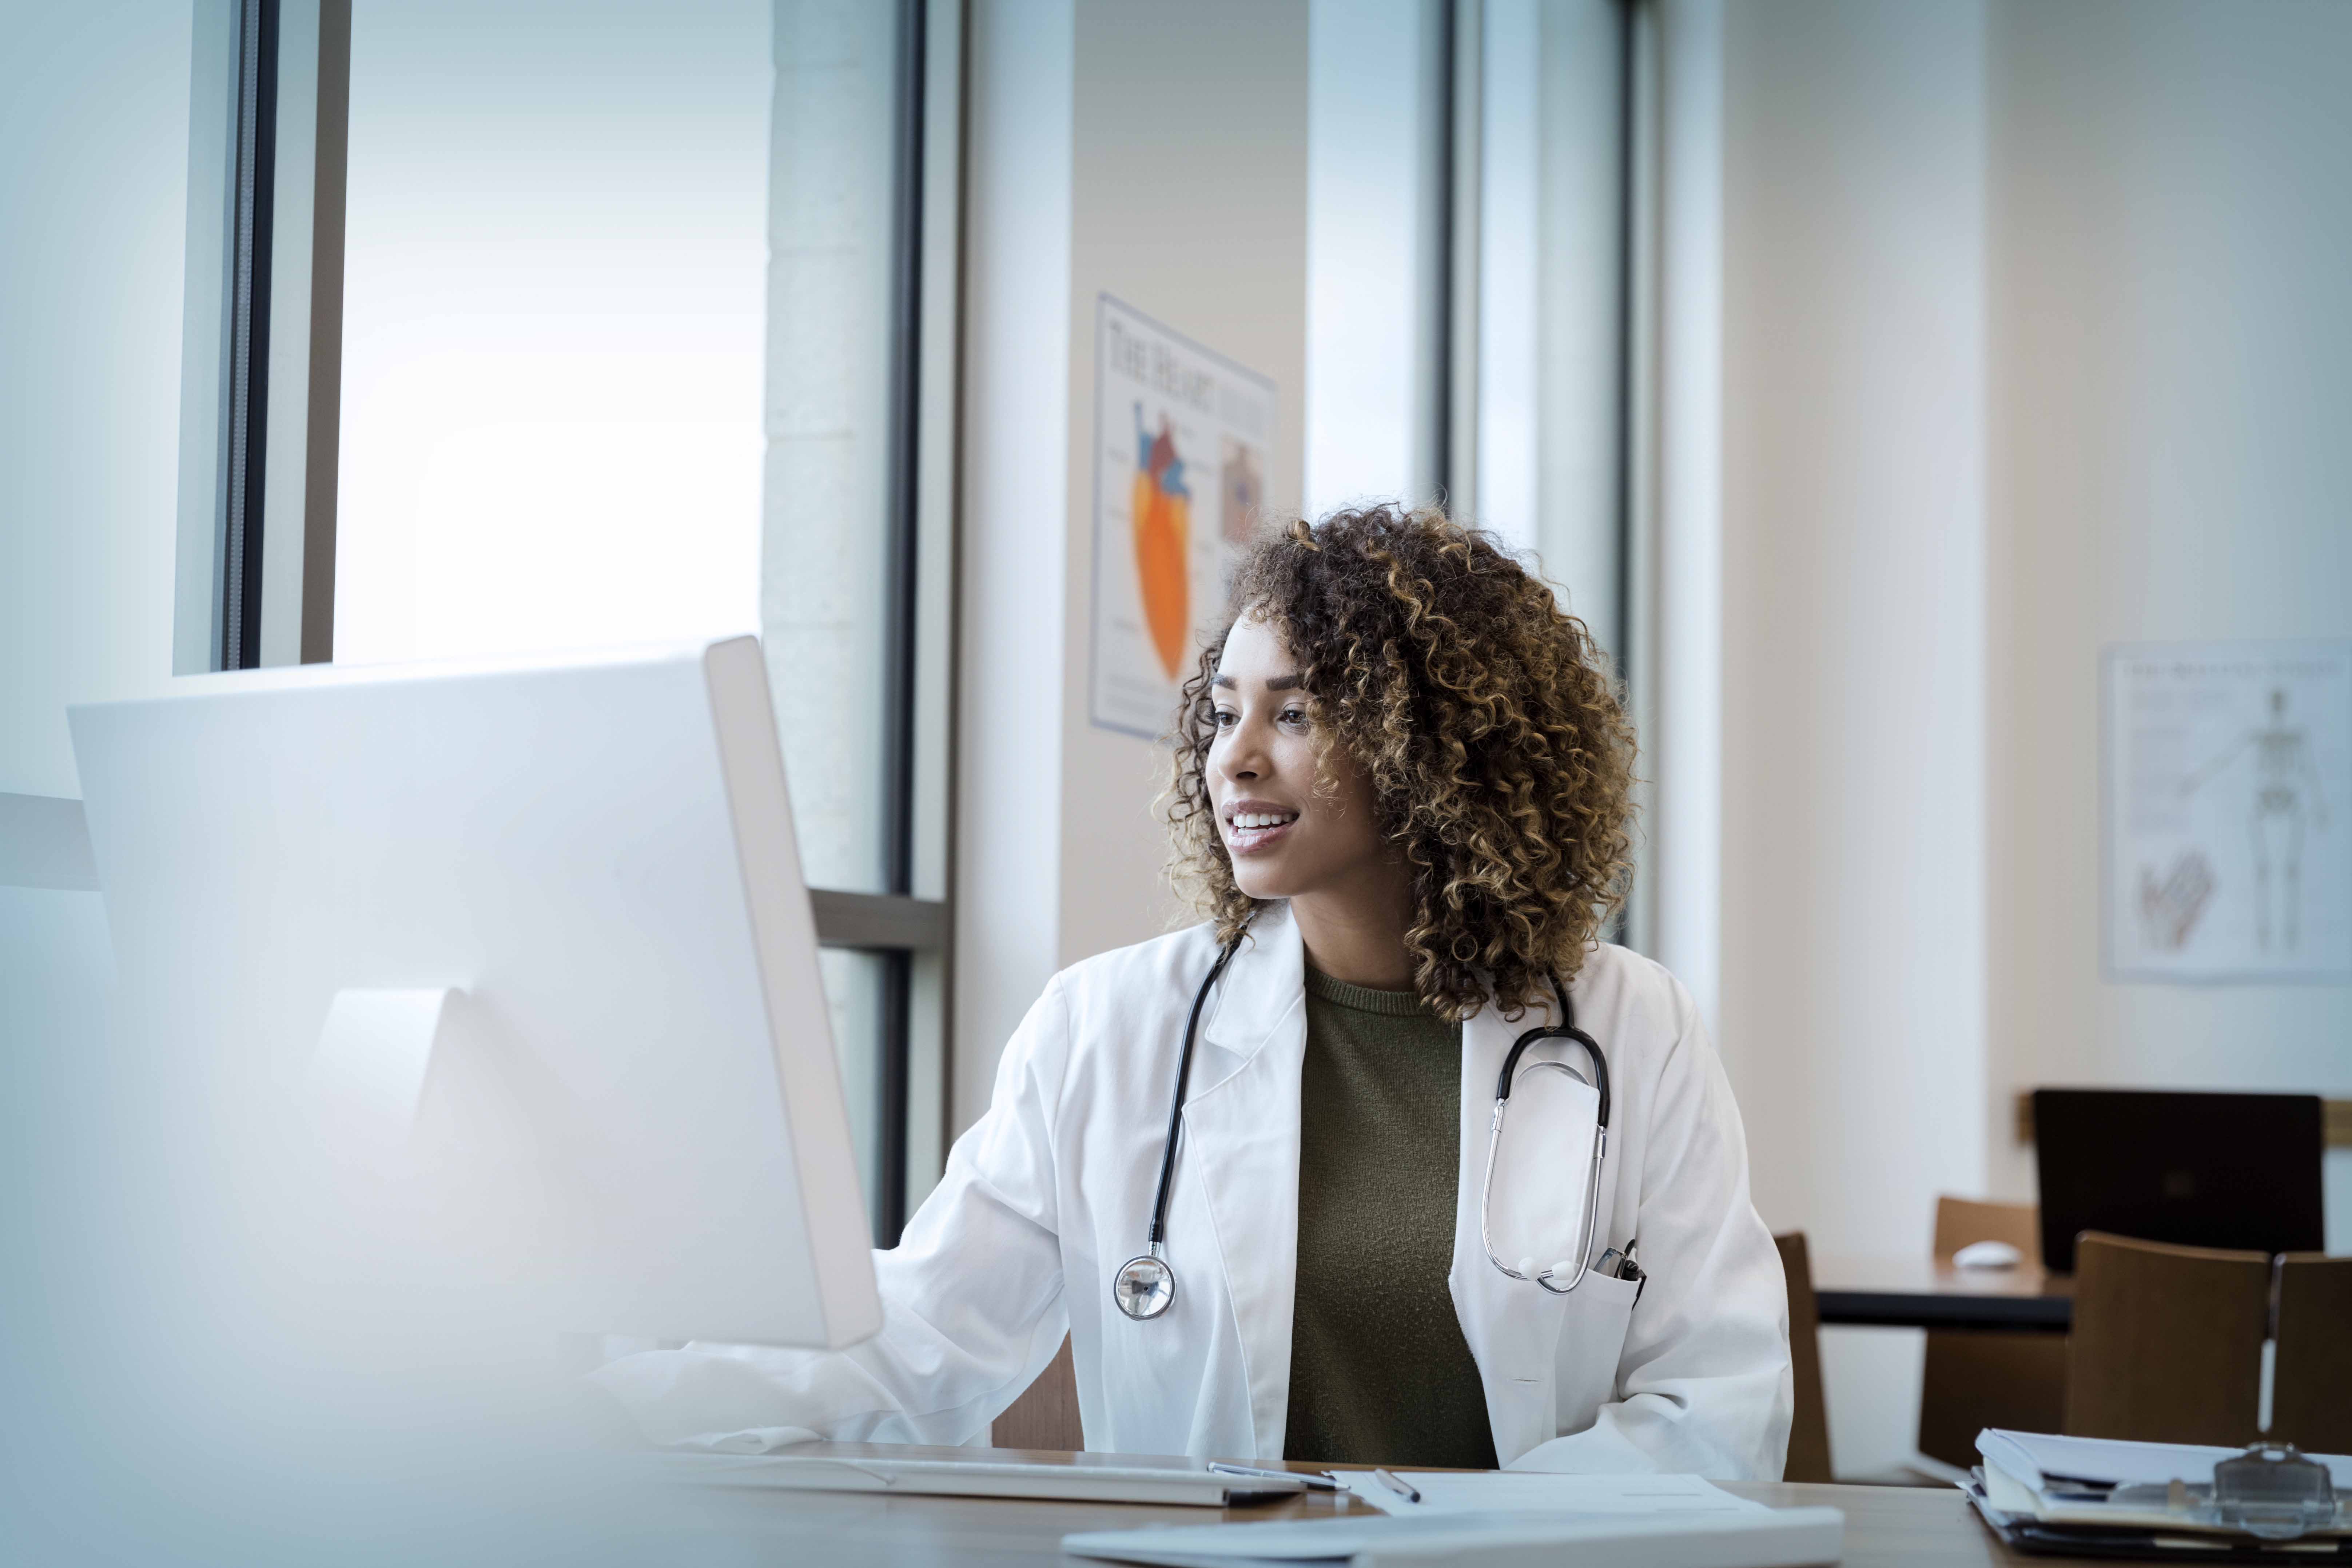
1920 1293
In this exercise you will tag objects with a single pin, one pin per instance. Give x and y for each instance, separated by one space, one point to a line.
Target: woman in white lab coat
1402 796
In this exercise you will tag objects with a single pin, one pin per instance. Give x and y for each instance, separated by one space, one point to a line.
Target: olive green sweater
1379 1372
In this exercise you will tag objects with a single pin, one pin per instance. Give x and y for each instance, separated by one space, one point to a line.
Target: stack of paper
1497 1519
2085 1495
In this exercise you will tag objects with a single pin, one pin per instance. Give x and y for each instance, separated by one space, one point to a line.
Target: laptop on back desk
2192 1168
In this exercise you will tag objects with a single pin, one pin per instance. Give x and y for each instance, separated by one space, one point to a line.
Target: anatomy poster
1181 442
2229 775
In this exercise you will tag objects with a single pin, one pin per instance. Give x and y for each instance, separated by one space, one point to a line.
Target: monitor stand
368 1078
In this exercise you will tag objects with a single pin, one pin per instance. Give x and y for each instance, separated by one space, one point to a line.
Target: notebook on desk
1783 1538
1499 1518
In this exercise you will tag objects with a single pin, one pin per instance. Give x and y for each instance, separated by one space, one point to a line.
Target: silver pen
1313 1483
1394 1485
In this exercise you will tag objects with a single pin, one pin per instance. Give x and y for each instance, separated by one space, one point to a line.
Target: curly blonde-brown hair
1499 753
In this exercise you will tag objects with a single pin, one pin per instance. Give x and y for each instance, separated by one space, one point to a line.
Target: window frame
231 585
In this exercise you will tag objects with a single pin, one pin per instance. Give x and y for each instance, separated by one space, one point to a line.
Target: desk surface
1885 1526
1920 1293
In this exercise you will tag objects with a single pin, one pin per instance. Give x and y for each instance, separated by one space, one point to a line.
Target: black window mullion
902 578
248 313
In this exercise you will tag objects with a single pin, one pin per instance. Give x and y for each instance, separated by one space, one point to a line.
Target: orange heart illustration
1162 510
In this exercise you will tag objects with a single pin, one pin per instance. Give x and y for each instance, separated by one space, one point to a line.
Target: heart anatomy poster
1181 435
2227 781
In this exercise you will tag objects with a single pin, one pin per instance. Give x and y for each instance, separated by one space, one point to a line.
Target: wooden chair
2311 1382
1975 1378
2166 1345
1808 1435
1046 1414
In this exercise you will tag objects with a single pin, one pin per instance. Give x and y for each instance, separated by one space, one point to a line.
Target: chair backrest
1808 1435
1045 1416
1960 1221
2311 1403
1970 1379
2166 1345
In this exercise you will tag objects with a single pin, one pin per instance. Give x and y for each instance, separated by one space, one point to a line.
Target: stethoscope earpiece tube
1176 1107
1564 1030
1145 1285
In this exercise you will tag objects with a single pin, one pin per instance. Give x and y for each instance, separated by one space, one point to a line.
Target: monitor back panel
633 1120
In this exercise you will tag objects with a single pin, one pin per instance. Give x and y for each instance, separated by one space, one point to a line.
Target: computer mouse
1988 1255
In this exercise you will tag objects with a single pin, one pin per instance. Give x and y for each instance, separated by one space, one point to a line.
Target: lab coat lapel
1242 1130
1512 1328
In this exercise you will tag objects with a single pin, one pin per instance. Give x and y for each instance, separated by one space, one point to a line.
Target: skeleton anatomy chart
1181 442
2229 777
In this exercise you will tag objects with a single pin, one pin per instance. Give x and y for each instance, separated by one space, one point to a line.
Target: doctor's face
1294 808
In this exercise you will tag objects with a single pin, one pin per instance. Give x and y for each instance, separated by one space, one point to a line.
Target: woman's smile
1251 825
1270 755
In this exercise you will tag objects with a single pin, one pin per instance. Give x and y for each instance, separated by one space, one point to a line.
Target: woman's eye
1227 718
1294 716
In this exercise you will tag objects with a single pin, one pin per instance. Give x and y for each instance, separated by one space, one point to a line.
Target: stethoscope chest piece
1143 1287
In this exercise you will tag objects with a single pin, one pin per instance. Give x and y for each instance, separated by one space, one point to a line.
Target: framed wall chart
2227 781
1181 435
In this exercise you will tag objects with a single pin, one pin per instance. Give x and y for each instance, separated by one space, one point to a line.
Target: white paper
1516 1491
751 1440
1183 437
2228 780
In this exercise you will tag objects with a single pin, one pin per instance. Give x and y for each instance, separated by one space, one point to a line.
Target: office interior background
1860 369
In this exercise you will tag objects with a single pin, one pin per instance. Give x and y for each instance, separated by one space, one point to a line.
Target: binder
2082 1496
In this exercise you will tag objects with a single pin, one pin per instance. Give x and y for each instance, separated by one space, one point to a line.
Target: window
568 324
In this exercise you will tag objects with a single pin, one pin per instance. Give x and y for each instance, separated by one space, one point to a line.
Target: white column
1854 844
1686 739
1015 525
1511 187
1375 221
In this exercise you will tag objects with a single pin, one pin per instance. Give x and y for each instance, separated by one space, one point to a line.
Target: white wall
1188 180
1853 520
93 211
2171 371
1853 831
1160 154
2034 338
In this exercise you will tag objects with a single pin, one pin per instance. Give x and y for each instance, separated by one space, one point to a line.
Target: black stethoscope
1145 1285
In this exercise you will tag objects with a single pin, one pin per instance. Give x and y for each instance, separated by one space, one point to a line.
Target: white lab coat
1051 1191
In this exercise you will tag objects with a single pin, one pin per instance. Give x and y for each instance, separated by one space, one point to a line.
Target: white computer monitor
503 974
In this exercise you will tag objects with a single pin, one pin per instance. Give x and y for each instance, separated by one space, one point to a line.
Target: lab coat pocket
1592 1342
